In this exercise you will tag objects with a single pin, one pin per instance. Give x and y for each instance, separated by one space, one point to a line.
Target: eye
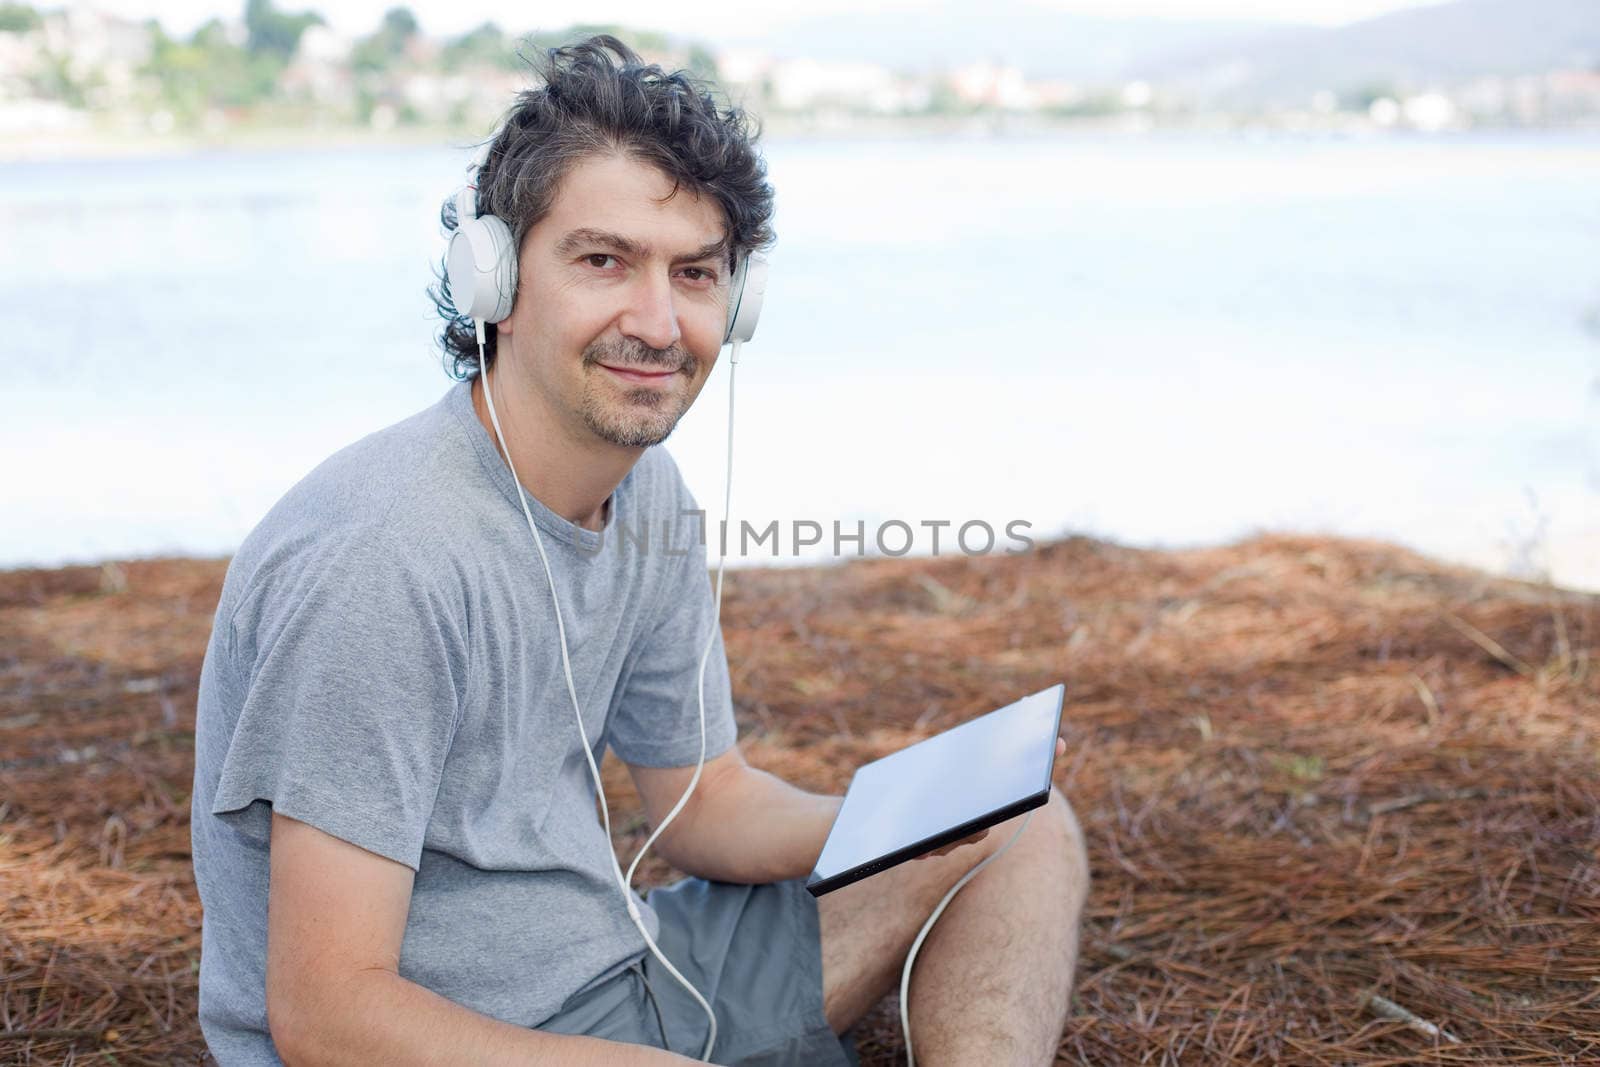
701 274
602 256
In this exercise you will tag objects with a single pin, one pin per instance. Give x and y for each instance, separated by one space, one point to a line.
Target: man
394 829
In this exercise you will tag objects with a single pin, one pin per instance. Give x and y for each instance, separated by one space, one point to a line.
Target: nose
651 315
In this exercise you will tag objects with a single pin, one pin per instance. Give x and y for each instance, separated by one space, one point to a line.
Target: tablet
943 789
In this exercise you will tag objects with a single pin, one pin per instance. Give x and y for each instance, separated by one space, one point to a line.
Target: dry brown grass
1342 802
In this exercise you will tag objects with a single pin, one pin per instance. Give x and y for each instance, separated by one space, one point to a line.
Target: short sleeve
657 719
354 672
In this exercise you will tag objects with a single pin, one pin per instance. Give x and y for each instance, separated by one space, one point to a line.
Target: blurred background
1160 272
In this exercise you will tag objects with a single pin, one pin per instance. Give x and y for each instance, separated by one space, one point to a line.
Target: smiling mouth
632 375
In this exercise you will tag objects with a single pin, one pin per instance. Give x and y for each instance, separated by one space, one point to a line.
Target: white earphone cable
625 882
722 558
911 957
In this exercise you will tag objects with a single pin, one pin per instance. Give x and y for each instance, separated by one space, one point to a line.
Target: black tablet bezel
817 887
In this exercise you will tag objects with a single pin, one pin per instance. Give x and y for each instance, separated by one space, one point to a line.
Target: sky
711 17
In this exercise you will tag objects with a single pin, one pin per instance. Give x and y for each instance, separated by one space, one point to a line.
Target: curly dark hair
598 97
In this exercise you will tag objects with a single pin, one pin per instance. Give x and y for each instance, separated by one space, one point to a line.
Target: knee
1051 838
1065 835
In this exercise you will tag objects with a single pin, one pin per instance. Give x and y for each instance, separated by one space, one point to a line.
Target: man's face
621 304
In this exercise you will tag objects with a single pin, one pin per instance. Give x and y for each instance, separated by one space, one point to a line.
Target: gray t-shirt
384 665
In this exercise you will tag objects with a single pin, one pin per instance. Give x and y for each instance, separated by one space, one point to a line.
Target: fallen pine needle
1390 1010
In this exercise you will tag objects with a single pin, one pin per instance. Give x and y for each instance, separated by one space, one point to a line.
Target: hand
979 836
1061 750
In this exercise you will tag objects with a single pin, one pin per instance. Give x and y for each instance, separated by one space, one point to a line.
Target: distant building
992 85
319 72
321 44
1057 94
1430 112
18 54
102 53
804 84
743 66
1571 94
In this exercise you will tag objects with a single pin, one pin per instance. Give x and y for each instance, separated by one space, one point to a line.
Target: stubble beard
639 418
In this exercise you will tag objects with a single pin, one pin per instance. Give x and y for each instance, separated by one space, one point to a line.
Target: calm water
1168 340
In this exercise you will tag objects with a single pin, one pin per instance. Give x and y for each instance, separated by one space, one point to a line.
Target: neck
574 479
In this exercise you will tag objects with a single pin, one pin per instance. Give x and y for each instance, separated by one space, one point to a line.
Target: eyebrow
588 237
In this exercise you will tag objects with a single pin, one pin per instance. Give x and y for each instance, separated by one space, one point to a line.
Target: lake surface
1170 339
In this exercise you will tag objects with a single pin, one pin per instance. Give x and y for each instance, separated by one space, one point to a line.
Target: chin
633 433
635 423
645 437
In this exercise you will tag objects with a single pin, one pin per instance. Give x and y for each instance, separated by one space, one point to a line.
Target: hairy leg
992 980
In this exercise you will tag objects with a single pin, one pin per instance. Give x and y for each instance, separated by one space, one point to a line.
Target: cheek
567 327
707 354
707 333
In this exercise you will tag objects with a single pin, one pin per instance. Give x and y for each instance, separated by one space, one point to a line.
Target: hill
1412 50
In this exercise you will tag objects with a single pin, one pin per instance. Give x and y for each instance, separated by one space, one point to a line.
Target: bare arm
743 824
336 915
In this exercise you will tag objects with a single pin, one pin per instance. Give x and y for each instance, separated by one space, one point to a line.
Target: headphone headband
466 204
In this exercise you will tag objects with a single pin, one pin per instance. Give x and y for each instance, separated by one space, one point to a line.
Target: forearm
755 829
383 1018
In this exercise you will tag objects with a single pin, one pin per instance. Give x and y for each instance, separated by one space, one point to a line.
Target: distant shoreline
101 143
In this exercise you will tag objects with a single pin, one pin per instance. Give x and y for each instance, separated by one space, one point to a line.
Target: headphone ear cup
746 293
481 265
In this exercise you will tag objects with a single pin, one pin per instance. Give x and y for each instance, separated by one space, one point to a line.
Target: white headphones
481 266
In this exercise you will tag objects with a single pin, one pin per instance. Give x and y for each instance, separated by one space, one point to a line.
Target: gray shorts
753 951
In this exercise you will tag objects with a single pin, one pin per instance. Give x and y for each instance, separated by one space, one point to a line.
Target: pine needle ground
1342 801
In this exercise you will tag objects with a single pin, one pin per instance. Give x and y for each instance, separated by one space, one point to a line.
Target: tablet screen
939 790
